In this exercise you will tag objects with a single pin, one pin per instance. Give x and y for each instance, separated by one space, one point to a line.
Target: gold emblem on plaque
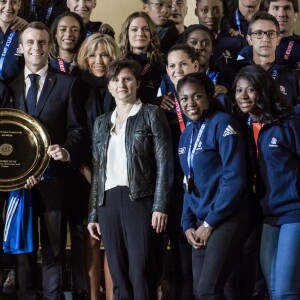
23 148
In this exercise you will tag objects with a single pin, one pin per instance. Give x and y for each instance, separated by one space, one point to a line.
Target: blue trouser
280 260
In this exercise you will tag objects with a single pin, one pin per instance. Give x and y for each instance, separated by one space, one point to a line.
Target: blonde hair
153 53
90 45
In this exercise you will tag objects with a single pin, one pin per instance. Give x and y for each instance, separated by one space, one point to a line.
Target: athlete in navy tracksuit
287 79
288 50
11 61
278 145
214 215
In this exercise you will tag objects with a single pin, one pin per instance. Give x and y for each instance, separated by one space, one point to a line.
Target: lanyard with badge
289 50
4 52
237 20
213 76
179 115
49 10
62 67
190 158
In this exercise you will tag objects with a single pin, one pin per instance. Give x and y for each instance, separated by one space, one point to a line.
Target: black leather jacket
149 152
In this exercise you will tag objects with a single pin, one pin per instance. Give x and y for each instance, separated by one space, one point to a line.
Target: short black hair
201 27
200 79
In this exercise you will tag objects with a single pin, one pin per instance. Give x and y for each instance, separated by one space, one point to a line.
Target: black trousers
47 198
213 266
127 236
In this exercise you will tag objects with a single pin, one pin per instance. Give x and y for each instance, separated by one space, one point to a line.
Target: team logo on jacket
229 131
273 142
282 90
181 150
199 147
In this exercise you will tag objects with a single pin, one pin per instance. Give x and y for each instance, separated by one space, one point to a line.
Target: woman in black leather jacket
131 152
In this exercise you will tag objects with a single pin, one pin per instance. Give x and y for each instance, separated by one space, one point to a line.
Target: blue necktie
32 94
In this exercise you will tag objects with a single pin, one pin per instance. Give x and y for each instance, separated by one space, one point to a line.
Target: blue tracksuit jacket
279 158
219 171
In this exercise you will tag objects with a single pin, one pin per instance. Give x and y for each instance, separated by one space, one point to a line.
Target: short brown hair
35 25
263 15
118 65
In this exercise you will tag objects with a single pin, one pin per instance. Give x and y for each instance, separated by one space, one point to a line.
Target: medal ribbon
179 115
5 49
288 50
213 76
49 10
191 151
61 65
146 68
237 20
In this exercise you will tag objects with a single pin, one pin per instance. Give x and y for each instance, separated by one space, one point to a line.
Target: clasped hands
198 238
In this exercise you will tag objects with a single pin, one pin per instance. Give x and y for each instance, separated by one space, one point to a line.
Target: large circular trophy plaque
23 148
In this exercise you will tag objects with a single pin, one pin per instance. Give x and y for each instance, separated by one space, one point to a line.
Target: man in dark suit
53 98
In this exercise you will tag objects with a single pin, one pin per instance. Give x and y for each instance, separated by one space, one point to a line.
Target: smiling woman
129 194
212 159
67 33
138 41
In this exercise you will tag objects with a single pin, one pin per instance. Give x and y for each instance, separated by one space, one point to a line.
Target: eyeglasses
160 5
259 34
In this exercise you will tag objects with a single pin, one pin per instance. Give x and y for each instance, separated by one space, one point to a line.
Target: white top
116 167
40 82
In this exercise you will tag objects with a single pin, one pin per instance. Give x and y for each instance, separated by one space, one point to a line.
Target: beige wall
114 12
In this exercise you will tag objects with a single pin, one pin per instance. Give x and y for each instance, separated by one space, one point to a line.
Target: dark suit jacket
58 109
6 100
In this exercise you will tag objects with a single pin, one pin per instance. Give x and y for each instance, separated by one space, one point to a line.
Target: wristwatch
206 225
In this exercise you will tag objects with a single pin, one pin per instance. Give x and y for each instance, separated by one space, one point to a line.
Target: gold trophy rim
41 141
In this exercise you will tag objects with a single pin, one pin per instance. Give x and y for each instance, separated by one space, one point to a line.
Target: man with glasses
286 13
264 37
160 11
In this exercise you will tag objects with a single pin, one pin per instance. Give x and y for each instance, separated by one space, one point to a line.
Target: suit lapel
48 85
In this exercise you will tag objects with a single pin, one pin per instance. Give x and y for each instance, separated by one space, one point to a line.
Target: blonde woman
96 52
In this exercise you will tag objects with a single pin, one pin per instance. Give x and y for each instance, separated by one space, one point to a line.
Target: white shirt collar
42 72
134 110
